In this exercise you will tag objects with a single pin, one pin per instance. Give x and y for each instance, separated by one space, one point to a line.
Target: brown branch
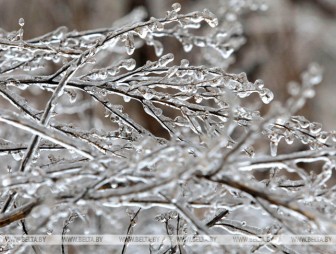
263 195
18 213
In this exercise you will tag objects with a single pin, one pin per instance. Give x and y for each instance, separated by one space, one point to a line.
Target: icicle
158 47
274 148
129 43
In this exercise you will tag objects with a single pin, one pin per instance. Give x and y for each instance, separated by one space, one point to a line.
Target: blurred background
281 40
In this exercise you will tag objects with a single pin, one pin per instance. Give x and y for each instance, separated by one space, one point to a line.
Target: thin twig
130 226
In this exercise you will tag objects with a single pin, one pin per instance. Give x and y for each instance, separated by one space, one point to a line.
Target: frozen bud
210 18
164 60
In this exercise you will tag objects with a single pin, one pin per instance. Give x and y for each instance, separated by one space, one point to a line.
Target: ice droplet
166 59
6 182
107 113
263 7
210 18
142 32
59 33
187 46
309 93
126 98
301 120
259 84
129 43
225 51
266 96
176 7
156 25
200 41
184 63
21 22
148 96
171 14
315 127
198 98
333 136
73 96
293 88
289 138
158 47
323 136
130 50
314 74
233 85
17 156
128 64
172 71
157 111
42 211
102 74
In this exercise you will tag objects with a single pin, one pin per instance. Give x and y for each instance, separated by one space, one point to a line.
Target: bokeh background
281 41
